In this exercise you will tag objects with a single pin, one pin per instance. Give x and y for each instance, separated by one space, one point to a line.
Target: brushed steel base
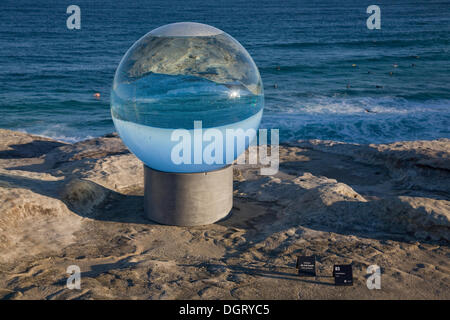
188 199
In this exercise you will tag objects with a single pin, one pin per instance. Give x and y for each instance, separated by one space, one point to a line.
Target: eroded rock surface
81 204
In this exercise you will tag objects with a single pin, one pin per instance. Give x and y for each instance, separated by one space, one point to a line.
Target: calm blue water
304 50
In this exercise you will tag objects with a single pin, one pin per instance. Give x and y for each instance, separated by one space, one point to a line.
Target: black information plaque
343 274
306 266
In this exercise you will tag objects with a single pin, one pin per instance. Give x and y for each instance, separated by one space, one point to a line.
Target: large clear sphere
179 74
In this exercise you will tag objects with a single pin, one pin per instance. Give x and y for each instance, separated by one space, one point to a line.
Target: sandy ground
81 204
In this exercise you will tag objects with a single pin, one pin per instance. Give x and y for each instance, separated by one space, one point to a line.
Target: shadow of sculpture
265 273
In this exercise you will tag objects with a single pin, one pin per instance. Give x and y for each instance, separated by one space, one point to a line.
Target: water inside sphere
186 76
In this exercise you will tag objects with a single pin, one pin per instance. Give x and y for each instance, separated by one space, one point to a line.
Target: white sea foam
56 132
362 120
335 106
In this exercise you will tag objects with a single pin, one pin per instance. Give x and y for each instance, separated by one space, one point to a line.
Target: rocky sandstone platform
81 204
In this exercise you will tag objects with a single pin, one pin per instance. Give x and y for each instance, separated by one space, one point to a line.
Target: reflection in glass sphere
181 73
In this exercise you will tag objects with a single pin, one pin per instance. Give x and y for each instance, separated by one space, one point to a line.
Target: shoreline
81 203
284 142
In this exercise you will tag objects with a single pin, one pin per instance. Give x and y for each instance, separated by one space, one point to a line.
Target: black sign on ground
343 274
306 266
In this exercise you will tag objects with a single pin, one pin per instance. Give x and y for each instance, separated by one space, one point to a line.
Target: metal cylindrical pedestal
188 199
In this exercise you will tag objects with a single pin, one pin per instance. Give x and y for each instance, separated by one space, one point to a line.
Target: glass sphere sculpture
186 76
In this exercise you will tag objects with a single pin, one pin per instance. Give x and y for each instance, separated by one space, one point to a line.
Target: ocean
325 74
